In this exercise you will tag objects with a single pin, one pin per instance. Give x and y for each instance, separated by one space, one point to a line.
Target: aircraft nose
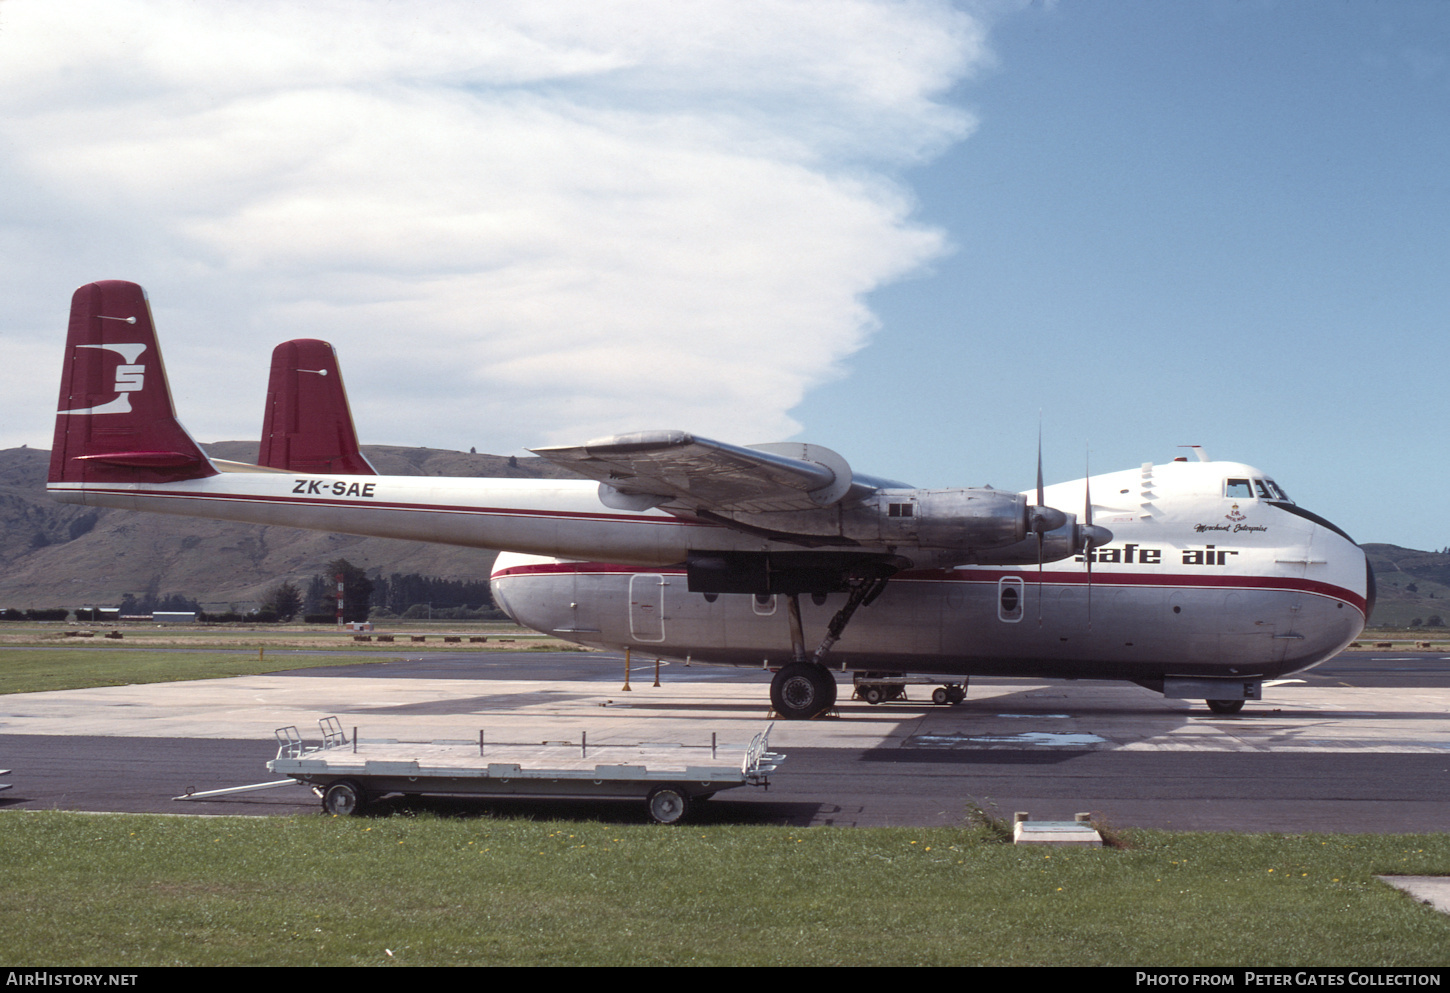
1369 589
1369 581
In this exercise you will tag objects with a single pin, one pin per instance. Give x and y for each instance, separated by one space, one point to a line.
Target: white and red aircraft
1198 579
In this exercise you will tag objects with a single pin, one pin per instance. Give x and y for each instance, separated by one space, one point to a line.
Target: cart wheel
956 694
940 696
343 798
667 805
1225 706
873 695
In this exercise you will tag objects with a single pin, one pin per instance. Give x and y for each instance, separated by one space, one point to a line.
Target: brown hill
54 555
1413 587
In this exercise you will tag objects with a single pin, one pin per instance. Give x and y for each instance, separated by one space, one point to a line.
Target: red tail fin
308 424
115 422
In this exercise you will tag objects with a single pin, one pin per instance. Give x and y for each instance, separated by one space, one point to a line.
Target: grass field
282 635
37 658
138 890
1437 638
27 670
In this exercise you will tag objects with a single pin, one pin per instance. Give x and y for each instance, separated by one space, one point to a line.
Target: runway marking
1043 738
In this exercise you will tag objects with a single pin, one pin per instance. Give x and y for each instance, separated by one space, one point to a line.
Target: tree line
397 595
409 595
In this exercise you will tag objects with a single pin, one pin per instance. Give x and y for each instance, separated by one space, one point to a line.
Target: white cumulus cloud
521 223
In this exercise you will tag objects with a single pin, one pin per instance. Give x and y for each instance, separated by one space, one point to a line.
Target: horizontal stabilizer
308 425
115 422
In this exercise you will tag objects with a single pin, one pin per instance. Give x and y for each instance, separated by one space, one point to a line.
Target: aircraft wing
697 473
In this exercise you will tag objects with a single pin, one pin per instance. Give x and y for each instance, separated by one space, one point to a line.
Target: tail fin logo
130 378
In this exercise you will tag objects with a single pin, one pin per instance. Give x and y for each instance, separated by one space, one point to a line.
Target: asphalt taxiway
1360 744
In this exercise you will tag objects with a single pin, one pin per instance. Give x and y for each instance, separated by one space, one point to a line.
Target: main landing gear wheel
668 805
343 799
802 690
1225 706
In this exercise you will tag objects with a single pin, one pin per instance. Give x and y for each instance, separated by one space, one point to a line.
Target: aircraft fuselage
1194 583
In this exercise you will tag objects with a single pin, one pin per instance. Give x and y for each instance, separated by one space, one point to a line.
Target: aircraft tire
343 798
802 690
1225 706
668 805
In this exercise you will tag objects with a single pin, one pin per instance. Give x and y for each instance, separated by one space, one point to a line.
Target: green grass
149 890
1404 637
25 670
179 654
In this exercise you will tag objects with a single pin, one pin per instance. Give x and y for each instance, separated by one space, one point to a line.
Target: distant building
98 613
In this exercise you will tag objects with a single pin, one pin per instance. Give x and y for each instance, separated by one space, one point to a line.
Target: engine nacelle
963 520
956 518
1061 543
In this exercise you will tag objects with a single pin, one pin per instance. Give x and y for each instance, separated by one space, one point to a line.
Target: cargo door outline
647 607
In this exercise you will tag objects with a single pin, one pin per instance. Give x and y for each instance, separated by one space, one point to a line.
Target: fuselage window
1009 599
1237 488
899 509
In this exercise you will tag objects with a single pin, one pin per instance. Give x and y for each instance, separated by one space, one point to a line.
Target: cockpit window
1254 489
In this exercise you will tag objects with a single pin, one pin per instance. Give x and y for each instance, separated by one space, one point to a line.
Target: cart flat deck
358 770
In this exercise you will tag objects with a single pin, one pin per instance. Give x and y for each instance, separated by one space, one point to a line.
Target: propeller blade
1039 579
1037 518
1087 516
1043 518
1040 498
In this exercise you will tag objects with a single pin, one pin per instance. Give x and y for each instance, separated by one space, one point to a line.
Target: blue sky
1212 223
902 230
